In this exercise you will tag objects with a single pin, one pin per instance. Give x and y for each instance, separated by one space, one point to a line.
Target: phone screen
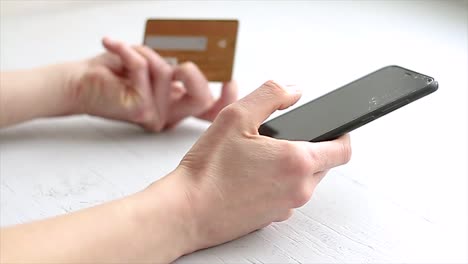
367 95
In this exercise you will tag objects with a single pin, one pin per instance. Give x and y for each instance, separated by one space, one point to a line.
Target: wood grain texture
216 62
402 198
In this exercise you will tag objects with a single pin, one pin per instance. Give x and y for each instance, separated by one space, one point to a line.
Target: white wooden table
403 197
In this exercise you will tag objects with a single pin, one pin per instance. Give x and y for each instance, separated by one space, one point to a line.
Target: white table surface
402 198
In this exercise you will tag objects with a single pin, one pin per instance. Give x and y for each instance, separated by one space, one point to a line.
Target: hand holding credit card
210 44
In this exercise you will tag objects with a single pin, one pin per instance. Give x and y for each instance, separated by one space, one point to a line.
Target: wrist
161 214
61 87
72 86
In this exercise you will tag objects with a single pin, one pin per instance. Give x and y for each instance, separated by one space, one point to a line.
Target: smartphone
351 106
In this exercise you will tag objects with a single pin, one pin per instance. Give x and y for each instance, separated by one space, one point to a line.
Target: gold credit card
210 44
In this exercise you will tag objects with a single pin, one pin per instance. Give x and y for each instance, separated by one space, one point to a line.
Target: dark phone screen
345 104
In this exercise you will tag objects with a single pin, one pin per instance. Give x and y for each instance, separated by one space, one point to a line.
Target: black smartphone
351 106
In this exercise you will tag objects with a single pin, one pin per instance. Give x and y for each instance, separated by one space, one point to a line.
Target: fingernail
290 87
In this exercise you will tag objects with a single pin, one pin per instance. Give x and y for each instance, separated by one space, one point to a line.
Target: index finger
262 102
131 60
161 73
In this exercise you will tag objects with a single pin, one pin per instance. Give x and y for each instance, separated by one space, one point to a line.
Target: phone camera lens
429 80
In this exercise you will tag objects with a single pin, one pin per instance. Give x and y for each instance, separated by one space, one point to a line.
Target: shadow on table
93 130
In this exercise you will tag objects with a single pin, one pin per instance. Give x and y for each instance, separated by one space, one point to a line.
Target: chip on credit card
210 44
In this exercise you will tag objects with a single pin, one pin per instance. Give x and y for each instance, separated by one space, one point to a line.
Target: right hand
236 181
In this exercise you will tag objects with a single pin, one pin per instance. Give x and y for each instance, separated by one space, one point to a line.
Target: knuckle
232 113
294 159
143 115
191 75
301 196
274 88
189 66
346 152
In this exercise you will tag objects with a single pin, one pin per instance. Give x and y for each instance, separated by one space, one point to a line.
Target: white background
402 198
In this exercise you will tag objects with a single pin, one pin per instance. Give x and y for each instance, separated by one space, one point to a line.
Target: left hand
136 85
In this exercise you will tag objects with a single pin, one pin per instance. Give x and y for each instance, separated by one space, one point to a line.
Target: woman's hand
136 85
236 181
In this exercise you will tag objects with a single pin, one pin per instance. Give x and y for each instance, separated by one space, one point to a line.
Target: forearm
144 227
35 93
